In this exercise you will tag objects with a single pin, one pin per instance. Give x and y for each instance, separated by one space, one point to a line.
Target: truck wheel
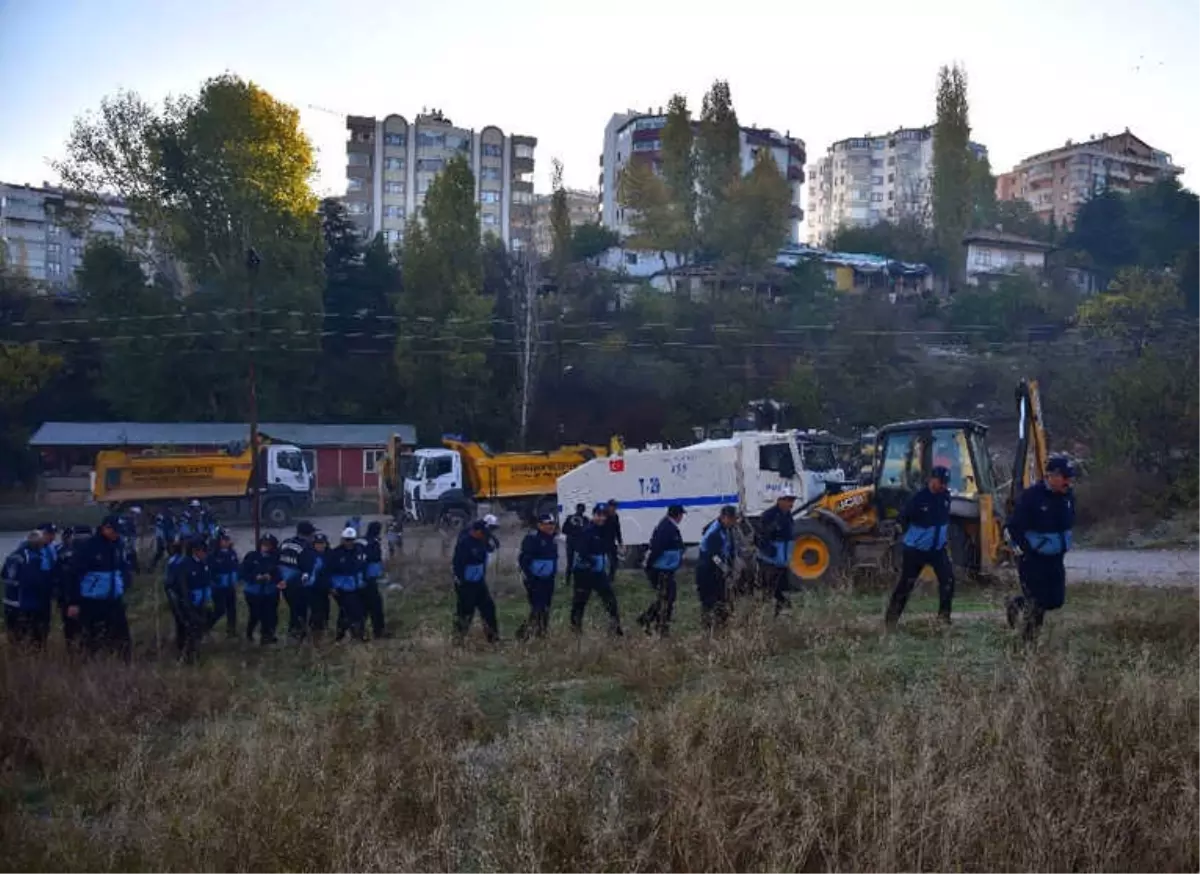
277 514
816 552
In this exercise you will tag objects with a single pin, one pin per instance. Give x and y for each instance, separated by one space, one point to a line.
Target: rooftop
1000 238
115 434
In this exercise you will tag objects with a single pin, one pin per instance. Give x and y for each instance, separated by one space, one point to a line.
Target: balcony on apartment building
1040 173
522 153
795 173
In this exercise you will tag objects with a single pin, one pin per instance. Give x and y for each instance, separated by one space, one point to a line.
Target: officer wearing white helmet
776 531
344 567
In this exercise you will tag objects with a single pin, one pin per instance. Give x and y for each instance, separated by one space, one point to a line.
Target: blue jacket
538 558
777 530
29 578
591 547
926 518
372 558
164 527
191 581
1042 520
101 571
224 566
186 527
470 559
343 565
260 564
296 557
716 542
666 546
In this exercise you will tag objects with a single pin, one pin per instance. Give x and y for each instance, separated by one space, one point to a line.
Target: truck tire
277 514
817 552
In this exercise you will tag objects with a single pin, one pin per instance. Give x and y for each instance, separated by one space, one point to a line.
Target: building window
631 258
892 161
54 249
52 229
54 268
491 173
430 141
393 188
372 459
393 236
522 197
876 180
394 212
489 197
647 145
876 163
358 159
877 197
492 150
393 139
523 151
430 165
77 252
891 195
393 163
458 141
489 218
356 207
354 184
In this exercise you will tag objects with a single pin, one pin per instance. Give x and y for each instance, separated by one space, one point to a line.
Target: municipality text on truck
749 469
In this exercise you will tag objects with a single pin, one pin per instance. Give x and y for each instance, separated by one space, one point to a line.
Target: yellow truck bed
123 477
519 474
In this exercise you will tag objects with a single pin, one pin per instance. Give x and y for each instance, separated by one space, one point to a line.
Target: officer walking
717 555
776 533
224 564
572 526
260 584
470 582
28 592
372 571
190 594
344 566
662 561
538 561
296 558
592 559
1040 529
926 522
613 539
96 593
318 592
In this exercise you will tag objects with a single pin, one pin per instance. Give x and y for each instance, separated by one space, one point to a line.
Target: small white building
995 253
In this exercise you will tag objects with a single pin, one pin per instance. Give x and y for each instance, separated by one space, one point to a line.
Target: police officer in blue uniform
718 550
224 564
96 592
344 566
28 591
296 559
318 592
538 561
260 585
592 557
73 540
926 523
469 566
662 561
1040 529
190 594
776 531
372 549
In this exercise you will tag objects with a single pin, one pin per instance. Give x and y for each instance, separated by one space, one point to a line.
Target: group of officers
87 574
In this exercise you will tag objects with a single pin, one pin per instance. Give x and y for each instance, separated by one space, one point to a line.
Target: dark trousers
1043 587
373 607
264 615
190 624
570 564
297 601
773 580
712 590
540 591
613 558
474 597
658 615
350 614
27 628
225 605
160 549
318 608
104 627
72 630
911 565
587 582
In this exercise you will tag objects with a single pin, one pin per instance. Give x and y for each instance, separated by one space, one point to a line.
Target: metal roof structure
115 434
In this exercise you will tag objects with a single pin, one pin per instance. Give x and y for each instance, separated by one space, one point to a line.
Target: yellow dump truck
443 486
153 478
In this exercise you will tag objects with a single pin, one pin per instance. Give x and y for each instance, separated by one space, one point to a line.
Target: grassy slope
810 742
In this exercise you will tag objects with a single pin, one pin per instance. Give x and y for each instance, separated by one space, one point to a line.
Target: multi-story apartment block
865 180
391 163
1057 182
581 207
44 231
637 136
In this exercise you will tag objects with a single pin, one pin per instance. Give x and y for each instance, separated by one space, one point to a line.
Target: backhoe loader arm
1029 462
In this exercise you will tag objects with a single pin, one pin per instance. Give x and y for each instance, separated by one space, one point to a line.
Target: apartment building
865 180
581 207
631 134
44 231
1057 182
390 164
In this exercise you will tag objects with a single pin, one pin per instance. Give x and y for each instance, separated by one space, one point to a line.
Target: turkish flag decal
616 465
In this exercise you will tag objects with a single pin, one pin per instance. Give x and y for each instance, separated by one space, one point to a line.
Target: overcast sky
1040 71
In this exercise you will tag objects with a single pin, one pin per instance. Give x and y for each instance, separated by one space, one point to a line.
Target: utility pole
257 474
529 280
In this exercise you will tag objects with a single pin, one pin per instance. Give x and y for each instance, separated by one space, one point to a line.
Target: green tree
718 161
679 172
441 352
590 240
952 169
560 222
652 216
903 240
983 192
1138 308
757 215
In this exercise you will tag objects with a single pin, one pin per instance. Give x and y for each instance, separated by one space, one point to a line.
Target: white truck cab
434 492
